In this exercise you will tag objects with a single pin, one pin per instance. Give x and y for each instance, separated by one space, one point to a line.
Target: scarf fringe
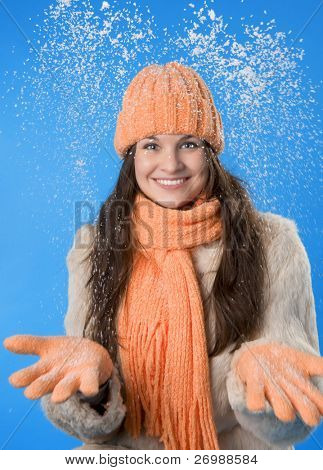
164 361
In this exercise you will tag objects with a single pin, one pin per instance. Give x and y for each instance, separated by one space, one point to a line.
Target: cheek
199 169
143 167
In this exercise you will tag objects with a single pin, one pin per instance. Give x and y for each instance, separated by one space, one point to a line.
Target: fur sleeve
289 318
75 416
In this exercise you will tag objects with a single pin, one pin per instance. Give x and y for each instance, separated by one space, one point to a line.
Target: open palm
282 375
67 364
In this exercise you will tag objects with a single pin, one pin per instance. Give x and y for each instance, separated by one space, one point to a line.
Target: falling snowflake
72 89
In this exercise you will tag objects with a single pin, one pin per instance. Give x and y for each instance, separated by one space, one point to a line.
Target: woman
191 320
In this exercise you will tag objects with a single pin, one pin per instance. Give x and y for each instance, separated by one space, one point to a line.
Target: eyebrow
154 137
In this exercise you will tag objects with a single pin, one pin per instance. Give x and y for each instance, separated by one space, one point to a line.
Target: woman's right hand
67 364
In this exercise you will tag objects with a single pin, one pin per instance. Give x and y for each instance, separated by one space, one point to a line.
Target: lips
171 186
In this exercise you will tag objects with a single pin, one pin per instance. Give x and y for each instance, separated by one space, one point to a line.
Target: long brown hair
237 294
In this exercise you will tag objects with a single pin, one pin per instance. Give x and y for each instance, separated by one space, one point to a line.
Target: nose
171 162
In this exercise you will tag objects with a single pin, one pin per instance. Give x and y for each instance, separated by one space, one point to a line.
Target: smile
171 183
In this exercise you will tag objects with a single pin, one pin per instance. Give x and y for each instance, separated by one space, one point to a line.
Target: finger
90 382
65 388
24 344
307 410
42 385
307 387
280 403
255 395
26 376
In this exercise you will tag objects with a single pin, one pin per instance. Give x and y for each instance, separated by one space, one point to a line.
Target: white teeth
170 183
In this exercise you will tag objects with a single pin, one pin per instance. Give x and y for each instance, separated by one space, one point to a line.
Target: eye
148 145
191 143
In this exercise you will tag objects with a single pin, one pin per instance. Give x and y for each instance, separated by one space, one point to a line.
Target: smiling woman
194 312
171 169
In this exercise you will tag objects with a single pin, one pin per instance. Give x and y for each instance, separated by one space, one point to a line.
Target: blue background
37 234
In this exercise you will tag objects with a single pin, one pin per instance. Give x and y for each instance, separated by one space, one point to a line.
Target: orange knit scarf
161 329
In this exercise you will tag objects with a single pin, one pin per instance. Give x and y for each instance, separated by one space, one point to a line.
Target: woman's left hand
281 374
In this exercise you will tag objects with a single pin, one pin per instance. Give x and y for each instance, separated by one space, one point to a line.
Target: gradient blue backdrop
34 276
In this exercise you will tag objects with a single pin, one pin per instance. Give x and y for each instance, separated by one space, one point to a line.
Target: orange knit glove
67 364
281 373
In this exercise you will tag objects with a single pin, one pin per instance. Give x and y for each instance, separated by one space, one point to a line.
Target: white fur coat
289 318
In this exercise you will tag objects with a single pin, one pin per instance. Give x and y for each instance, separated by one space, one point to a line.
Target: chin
174 204
171 203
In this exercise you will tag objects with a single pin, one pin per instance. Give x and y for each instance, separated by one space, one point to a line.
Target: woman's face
165 159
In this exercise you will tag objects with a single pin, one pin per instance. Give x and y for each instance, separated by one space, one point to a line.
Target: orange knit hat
167 99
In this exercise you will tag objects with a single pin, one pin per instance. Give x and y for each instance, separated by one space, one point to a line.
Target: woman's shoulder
84 236
276 224
82 243
281 238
